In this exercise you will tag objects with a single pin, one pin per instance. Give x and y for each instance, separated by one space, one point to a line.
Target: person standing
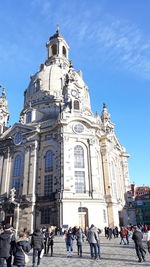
137 238
37 243
92 237
79 238
7 240
69 242
50 240
21 246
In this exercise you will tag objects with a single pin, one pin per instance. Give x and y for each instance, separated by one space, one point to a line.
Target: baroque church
61 164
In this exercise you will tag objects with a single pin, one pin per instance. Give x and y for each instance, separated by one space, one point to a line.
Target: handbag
26 257
42 253
148 243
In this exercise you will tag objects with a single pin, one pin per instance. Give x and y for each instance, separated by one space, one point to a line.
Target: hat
135 228
7 226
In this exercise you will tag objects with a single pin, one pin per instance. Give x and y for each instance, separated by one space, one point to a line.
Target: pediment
17 128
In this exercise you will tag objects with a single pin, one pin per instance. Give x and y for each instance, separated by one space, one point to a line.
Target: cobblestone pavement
113 255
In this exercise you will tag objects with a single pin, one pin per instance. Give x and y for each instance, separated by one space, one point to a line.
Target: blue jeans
93 249
98 248
69 247
8 260
36 254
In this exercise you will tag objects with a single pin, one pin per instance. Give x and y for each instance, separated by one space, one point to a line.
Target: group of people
15 250
91 235
136 233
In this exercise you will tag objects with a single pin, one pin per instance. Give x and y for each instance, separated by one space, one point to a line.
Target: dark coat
20 244
137 237
50 238
6 240
37 241
69 238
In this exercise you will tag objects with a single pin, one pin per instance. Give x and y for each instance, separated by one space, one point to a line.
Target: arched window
17 171
49 161
76 105
48 177
29 117
78 157
79 171
64 51
54 49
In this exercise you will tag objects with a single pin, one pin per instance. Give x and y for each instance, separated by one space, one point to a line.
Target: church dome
56 82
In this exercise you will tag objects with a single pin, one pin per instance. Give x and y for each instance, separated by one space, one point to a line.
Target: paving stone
113 255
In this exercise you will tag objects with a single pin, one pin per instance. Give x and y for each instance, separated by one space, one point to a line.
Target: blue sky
109 41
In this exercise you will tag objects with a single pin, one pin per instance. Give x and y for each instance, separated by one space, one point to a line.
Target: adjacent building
65 163
142 204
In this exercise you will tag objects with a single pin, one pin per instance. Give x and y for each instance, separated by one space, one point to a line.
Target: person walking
37 243
79 238
7 240
122 236
137 238
92 237
21 247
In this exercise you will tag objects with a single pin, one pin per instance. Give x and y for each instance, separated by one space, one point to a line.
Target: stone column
6 172
26 171
1 173
107 182
33 184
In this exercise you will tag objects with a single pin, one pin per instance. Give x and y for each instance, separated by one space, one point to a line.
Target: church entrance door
83 217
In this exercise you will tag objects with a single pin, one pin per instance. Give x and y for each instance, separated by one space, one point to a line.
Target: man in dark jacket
6 242
137 237
37 243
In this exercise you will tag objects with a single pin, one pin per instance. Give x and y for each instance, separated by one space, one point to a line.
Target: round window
78 128
18 138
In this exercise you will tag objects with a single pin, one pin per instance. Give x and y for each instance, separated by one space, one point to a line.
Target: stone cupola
58 48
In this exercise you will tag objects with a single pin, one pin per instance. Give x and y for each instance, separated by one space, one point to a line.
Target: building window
37 85
54 49
49 161
78 157
29 117
17 173
76 105
45 216
16 185
64 51
104 216
48 185
80 182
17 166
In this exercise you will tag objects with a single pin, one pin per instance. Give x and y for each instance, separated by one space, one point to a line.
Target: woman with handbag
20 250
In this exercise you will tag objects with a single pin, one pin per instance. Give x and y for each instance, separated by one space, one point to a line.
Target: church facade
65 163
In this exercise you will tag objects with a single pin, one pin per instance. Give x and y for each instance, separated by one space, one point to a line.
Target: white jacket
148 235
